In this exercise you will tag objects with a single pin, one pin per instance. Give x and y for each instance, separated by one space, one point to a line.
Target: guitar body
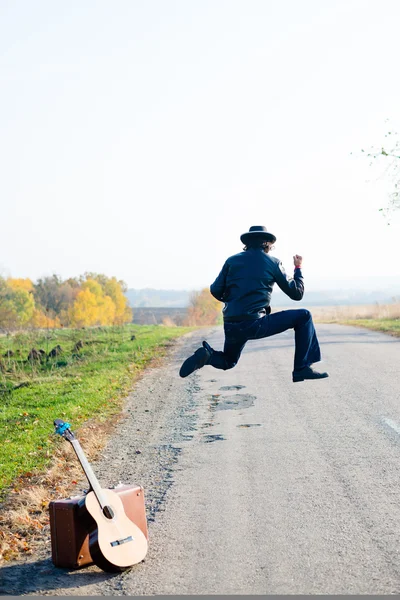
115 543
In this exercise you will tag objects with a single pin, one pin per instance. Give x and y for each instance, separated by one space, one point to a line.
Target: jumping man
245 285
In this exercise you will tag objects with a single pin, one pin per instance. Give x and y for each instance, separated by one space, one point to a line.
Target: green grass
391 326
76 385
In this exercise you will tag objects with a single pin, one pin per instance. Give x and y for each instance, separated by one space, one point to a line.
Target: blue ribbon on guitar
61 428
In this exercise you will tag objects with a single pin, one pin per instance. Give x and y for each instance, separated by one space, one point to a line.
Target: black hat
257 231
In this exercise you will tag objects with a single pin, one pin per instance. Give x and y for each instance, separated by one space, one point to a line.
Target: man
245 284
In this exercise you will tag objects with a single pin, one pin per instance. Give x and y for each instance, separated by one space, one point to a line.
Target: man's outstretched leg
307 349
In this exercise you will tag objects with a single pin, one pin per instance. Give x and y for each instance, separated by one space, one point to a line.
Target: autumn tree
91 299
100 301
84 311
40 320
7 313
20 284
105 305
16 305
203 309
55 296
114 289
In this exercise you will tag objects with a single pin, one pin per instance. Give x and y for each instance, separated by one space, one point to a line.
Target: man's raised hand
297 259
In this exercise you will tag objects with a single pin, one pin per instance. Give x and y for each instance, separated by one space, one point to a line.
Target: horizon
319 297
345 284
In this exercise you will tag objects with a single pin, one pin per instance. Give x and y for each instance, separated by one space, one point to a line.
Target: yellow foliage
93 286
20 284
90 300
123 313
106 311
84 311
106 308
42 321
92 306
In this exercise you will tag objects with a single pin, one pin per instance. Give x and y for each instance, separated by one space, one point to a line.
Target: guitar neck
91 477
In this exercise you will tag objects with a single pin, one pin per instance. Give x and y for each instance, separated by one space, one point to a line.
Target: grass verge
76 375
391 326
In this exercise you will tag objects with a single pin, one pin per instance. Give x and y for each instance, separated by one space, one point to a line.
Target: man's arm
217 288
292 287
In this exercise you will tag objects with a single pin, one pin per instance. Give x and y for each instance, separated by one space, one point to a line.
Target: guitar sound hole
108 512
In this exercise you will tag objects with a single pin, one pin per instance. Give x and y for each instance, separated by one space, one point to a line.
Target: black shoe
308 373
196 361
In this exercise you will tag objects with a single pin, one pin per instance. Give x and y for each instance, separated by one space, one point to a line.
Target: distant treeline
87 300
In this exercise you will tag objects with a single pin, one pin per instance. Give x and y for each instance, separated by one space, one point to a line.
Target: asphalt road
257 485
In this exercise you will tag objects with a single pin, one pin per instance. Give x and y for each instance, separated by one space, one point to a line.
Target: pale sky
141 138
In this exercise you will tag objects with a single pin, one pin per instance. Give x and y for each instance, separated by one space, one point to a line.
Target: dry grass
342 314
168 322
24 515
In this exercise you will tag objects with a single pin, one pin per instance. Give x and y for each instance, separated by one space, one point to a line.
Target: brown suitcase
69 528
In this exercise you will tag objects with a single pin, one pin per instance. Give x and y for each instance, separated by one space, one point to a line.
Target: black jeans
307 349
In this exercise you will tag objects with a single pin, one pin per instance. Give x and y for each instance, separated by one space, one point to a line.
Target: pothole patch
207 439
234 402
206 425
227 388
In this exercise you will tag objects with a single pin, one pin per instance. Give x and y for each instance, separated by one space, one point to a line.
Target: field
75 375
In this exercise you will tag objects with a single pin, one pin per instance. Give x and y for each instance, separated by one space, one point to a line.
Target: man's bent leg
236 336
234 344
229 357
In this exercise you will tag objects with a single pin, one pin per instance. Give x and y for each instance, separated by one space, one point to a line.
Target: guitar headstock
63 429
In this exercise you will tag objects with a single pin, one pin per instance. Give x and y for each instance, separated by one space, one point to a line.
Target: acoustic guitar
115 542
